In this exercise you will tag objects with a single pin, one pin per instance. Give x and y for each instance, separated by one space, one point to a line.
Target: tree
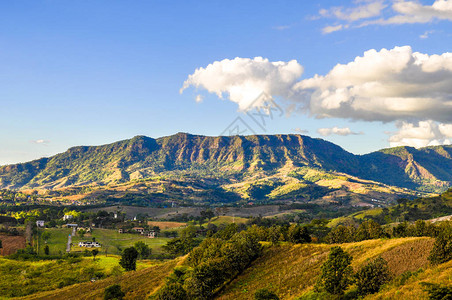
172 291
369 230
442 249
129 259
46 250
114 292
143 250
264 294
336 272
298 234
94 252
46 236
372 276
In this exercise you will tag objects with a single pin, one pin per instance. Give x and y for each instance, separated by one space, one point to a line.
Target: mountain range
232 160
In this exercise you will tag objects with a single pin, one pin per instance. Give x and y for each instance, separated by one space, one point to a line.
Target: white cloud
40 142
301 131
403 12
199 98
330 29
386 85
414 12
337 131
244 79
421 134
426 34
396 85
368 10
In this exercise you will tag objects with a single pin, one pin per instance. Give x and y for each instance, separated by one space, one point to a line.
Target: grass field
111 241
136 284
228 220
291 270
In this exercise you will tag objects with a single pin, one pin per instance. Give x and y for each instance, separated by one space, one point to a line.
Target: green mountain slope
236 158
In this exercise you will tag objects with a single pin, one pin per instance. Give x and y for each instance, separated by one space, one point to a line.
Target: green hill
228 168
290 271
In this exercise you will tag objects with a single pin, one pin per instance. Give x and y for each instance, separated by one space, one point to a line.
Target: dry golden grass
291 270
136 284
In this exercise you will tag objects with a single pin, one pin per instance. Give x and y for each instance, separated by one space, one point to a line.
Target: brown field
167 225
11 244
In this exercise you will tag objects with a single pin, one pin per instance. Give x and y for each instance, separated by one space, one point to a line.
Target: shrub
172 291
442 249
129 259
438 292
298 234
336 272
264 294
114 292
372 276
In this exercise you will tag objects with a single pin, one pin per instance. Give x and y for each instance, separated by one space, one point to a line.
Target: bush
129 259
442 249
264 294
171 291
114 292
438 292
336 272
372 276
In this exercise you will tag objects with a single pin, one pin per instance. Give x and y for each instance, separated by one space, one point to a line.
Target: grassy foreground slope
136 285
291 270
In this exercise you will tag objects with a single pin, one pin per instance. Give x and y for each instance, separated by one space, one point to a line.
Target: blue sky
94 72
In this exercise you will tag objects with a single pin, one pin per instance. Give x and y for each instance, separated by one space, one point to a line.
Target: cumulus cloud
421 134
337 131
396 85
403 12
386 85
244 79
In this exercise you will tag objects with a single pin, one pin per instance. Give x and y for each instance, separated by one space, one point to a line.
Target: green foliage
265 294
171 291
143 250
94 252
114 292
442 249
438 292
368 230
336 272
129 259
372 276
298 234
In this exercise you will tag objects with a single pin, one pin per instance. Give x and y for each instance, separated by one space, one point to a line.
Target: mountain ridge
428 168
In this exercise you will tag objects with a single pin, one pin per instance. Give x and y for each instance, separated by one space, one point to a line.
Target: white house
151 234
89 244
67 217
40 223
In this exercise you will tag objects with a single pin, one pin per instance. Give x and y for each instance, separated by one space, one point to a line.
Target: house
120 230
40 223
151 234
89 244
138 229
67 217
72 225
